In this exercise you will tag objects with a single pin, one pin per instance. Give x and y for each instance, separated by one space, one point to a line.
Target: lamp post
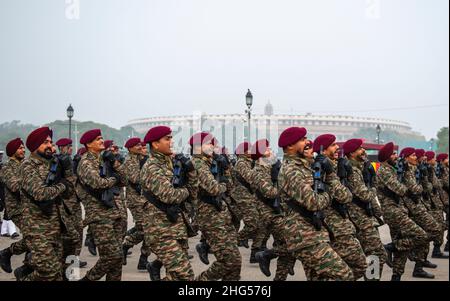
249 103
378 133
431 144
70 115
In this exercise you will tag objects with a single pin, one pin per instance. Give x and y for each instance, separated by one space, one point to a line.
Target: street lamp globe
249 99
70 111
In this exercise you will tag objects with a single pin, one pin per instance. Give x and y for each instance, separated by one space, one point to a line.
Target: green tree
442 143
387 135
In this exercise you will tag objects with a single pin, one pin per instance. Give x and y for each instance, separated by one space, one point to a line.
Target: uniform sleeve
245 172
90 176
300 189
411 184
132 172
264 184
154 179
11 180
33 185
207 182
359 188
337 190
389 179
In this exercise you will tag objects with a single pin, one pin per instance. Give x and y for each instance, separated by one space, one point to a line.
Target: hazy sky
122 60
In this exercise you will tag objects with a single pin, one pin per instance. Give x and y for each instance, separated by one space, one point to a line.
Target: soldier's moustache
46 154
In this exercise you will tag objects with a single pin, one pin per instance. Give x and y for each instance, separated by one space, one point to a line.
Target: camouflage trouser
250 216
136 237
368 235
271 223
18 247
438 216
77 220
322 263
350 250
223 245
123 218
405 234
107 235
425 220
46 257
71 240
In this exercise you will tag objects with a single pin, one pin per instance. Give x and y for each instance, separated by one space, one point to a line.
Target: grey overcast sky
122 60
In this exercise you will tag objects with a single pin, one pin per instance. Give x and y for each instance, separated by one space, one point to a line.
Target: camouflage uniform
135 202
165 238
42 232
366 232
216 225
444 180
271 222
104 222
435 193
242 194
406 235
419 213
10 177
304 241
342 231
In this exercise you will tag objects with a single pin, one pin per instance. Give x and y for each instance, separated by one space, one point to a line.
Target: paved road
249 272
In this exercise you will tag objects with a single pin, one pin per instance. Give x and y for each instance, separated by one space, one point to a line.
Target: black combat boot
396 277
446 247
390 248
154 270
142 264
291 269
202 250
131 231
92 247
252 255
429 264
243 243
21 272
420 273
82 264
264 258
125 249
5 260
438 254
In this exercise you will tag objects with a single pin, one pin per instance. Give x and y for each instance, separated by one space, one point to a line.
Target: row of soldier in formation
322 205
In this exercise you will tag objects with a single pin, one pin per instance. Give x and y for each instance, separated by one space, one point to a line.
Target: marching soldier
405 233
43 212
244 197
342 231
213 216
435 194
361 184
98 179
165 230
306 198
270 211
73 240
135 202
442 174
418 212
10 177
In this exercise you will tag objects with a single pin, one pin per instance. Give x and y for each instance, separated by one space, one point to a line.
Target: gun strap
157 203
211 200
363 205
136 187
305 213
40 204
95 193
267 201
244 183
339 208
390 194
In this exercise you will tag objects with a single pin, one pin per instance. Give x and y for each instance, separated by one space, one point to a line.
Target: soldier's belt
340 208
390 194
244 183
212 200
366 206
172 211
272 203
315 218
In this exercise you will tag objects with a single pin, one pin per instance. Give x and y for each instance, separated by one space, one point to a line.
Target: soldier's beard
391 162
47 154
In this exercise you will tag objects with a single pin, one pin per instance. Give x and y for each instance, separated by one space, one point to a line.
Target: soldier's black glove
109 157
120 158
275 171
344 168
325 163
188 166
221 161
65 161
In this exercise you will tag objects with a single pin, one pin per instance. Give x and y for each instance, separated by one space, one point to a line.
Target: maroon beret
242 148
90 136
13 146
81 151
108 143
420 153
64 142
441 157
352 145
323 141
201 138
386 152
259 148
37 137
407 151
430 155
290 136
132 142
156 133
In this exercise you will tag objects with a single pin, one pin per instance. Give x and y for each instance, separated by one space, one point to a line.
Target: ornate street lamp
249 103
70 113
